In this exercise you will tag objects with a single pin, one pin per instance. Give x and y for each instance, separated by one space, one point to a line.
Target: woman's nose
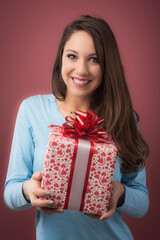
82 68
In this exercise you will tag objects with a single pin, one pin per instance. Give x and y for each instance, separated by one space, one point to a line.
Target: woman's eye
71 56
94 59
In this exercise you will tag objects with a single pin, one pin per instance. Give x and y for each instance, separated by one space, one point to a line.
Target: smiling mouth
80 81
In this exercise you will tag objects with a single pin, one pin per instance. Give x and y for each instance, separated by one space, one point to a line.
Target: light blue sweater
27 156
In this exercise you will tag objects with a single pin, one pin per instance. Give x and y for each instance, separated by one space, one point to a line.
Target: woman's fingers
118 190
49 210
37 202
37 175
107 214
93 216
33 192
38 192
111 209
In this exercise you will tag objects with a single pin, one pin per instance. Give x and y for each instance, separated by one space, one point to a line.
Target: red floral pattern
100 178
57 169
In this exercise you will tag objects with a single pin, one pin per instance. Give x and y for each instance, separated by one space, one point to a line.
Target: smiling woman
87 74
94 36
81 71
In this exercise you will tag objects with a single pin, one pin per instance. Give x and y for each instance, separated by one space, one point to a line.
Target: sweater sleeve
136 202
20 166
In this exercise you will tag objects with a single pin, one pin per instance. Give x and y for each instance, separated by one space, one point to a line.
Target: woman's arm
21 160
23 187
136 202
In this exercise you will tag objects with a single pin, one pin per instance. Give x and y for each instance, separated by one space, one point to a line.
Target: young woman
87 74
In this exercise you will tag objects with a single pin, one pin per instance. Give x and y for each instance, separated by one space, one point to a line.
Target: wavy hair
111 100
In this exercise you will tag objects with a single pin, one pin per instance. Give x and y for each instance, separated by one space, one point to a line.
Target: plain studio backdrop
29 35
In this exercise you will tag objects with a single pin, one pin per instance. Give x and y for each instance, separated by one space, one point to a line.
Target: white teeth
79 81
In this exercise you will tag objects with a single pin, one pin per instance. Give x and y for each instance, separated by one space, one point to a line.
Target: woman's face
81 70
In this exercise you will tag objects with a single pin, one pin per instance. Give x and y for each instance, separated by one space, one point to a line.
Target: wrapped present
79 164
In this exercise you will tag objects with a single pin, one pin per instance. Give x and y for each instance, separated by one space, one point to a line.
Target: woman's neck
72 104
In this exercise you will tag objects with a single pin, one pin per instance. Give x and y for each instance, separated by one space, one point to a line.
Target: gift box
79 164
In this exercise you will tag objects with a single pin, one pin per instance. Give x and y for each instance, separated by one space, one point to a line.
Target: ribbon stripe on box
79 165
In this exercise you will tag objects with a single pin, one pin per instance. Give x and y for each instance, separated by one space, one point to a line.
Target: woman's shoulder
36 103
47 98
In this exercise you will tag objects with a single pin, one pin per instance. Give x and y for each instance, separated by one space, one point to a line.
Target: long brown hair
111 100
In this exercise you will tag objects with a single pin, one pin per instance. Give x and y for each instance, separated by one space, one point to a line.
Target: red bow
87 125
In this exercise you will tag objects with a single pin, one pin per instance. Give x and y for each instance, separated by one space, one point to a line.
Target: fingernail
51 204
60 211
37 174
48 194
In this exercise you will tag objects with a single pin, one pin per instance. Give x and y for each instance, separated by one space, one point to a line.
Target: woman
87 74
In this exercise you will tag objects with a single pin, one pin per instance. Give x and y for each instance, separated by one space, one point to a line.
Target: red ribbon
85 124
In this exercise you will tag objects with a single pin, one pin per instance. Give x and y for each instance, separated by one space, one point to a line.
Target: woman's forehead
80 41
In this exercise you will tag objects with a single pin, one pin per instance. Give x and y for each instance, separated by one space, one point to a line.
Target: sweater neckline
52 98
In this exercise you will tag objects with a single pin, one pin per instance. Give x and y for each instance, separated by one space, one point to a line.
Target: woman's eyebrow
71 50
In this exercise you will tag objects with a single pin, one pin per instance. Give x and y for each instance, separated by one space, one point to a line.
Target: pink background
30 32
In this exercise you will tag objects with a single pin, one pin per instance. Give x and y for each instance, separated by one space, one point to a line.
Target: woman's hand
32 191
118 191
